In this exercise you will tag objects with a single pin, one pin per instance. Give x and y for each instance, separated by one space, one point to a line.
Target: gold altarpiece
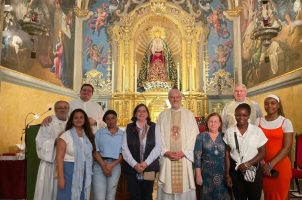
130 37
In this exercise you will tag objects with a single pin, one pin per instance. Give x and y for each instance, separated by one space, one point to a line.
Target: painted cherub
222 54
217 20
94 53
99 19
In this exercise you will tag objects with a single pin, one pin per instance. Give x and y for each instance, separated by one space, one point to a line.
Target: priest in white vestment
46 186
178 129
93 110
228 112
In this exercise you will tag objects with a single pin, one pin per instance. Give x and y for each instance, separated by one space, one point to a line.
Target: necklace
216 150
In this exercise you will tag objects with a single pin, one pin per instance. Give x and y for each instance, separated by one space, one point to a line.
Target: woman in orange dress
279 132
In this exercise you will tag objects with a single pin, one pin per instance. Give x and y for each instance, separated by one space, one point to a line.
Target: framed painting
281 61
38 40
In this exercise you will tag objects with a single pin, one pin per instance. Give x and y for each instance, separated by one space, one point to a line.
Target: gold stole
175 145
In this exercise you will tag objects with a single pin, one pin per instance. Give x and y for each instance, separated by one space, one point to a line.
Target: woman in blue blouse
107 168
209 154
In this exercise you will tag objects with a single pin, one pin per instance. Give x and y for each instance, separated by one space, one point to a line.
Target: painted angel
99 19
218 22
94 52
222 54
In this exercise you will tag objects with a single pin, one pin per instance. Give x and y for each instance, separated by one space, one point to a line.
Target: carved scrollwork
158 7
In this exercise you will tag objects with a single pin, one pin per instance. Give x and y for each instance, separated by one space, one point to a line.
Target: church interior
134 51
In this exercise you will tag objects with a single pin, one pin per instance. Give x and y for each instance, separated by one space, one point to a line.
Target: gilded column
184 72
131 67
195 86
126 63
114 66
120 66
189 67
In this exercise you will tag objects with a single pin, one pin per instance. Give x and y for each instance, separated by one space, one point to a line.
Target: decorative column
78 47
189 63
81 13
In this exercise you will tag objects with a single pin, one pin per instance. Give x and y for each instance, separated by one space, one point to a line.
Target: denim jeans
104 188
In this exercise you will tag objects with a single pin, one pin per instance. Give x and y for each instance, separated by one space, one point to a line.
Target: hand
266 170
228 181
105 170
144 165
138 168
174 155
180 154
242 167
92 121
61 183
46 121
109 166
199 180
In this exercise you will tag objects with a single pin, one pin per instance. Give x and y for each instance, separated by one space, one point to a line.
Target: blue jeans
103 187
65 194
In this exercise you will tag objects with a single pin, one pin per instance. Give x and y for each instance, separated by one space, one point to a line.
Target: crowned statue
158 69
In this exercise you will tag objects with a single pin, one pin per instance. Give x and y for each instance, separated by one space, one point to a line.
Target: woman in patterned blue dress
209 162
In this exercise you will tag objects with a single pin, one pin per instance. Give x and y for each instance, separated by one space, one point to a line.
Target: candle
112 77
135 76
190 77
178 78
124 76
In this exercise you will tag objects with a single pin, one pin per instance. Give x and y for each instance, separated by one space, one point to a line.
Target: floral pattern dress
209 156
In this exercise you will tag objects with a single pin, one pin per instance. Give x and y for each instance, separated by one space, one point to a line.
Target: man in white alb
94 111
178 129
45 145
228 112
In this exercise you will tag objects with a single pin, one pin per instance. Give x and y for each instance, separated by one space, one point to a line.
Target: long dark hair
134 119
212 115
86 125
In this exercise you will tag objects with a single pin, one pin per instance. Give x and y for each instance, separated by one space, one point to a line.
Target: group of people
243 155
80 161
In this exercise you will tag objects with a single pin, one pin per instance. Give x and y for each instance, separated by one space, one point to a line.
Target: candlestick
190 77
178 78
112 77
124 76
135 76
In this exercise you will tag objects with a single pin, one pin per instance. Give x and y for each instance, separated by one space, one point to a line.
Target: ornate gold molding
234 12
158 7
81 13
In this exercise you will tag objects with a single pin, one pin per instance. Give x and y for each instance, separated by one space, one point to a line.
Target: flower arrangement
156 84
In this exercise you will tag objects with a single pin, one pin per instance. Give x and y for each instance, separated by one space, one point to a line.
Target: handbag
249 174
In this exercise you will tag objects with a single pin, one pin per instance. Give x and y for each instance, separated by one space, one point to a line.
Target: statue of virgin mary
158 68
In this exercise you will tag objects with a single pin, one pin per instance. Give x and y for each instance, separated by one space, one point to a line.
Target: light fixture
267 25
32 25
7 6
33 118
